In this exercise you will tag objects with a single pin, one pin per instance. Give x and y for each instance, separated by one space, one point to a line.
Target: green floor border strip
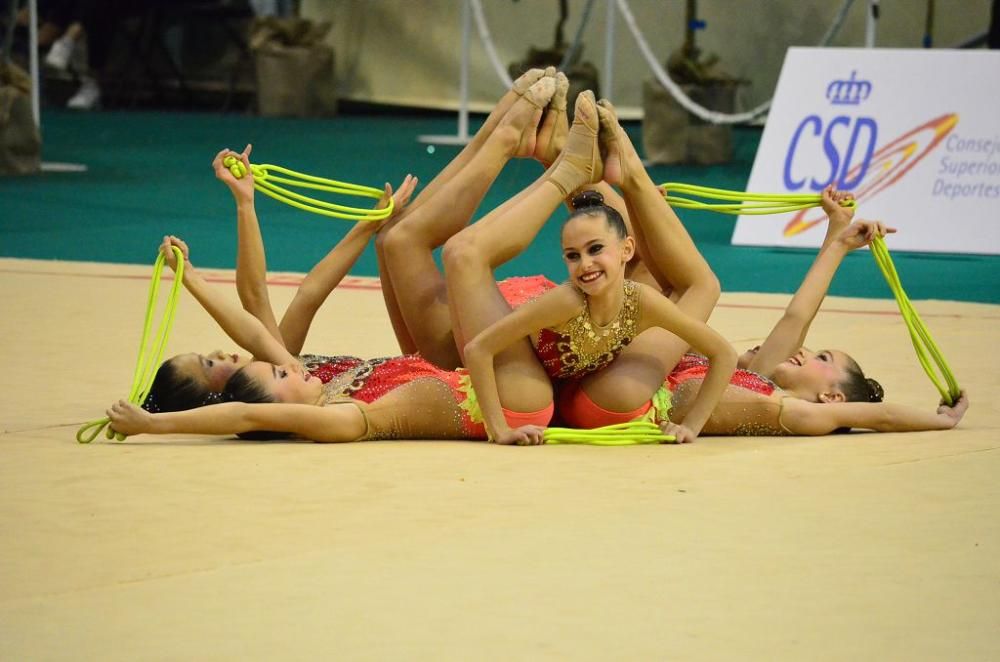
149 174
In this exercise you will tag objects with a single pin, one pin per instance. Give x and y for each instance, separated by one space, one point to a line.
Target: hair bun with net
875 390
586 199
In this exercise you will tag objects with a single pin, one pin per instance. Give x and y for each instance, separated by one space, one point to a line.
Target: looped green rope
149 359
623 434
923 343
268 180
753 204
777 203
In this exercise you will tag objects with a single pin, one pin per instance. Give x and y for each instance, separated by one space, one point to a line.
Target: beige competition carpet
860 547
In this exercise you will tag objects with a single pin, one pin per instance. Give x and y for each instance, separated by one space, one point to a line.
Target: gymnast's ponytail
173 390
859 388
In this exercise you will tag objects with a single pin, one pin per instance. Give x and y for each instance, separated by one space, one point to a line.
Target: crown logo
849 92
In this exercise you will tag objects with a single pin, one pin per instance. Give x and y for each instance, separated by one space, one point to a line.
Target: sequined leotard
695 366
518 290
739 412
326 368
580 347
407 397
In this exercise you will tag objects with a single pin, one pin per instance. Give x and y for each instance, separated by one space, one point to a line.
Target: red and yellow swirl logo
887 165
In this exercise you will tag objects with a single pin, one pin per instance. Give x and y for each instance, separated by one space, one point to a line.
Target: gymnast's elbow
474 351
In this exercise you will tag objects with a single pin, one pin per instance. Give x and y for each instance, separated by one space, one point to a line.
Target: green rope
268 180
923 343
753 204
149 358
623 434
777 203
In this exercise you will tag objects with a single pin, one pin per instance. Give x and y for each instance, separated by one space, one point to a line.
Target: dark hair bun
875 390
586 199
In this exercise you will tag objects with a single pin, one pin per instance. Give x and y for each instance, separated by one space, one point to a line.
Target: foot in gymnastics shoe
580 162
552 131
526 113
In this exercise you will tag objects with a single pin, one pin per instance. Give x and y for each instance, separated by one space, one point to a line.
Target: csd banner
914 134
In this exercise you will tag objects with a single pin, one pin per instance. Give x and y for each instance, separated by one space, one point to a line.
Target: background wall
407 53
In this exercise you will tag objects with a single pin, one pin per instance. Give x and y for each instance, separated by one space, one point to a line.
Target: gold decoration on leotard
585 347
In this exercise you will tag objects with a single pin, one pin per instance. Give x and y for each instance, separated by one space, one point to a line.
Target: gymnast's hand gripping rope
267 180
777 203
623 434
149 358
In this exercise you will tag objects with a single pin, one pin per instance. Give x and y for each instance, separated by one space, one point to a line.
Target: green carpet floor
149 175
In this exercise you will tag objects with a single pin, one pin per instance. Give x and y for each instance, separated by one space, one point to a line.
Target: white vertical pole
35 96
463 75
462 137
609 50
33 60
871 26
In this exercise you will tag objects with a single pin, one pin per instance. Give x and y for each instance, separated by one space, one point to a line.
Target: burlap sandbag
294 81
295 69
670 134
20 141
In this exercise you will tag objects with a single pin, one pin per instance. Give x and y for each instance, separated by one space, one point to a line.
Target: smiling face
814 376
210 370
594 254
288 383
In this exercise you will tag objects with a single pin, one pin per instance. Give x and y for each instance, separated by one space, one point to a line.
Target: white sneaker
87 97
59 55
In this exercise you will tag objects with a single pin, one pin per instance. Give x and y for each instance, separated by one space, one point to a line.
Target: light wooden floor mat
867 546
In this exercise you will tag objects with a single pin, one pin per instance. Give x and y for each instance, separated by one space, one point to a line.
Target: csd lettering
821 154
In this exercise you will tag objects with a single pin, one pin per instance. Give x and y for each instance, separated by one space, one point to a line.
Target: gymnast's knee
462 252
399 241
710 286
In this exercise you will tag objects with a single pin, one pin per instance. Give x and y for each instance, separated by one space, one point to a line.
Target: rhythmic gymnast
576 328
692 292
781 387
190 380
402 397
442 404
444 206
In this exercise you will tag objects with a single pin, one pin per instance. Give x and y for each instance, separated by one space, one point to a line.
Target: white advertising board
914 134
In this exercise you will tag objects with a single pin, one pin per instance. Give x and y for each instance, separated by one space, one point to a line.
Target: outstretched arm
337 422
246 330
815 418
789 333
251 263
328 272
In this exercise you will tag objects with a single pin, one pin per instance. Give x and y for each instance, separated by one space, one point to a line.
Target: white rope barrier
675 90
578 38
837 22
711 116
487 39
684 100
